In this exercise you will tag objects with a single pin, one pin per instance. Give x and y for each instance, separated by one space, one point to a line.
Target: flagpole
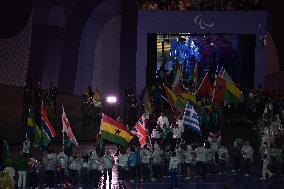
63 132
168 103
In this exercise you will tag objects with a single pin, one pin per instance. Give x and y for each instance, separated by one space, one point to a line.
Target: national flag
30 125
219 90
191 118
224 74
140 131
179 91
178 75
48 131
36 130
114 131
148 105
205 87
67 129
195 73
232 93
175 101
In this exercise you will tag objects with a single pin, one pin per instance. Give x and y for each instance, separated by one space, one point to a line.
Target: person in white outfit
247 155
177 133
188 154
145 156
200 153
62 161
180 155
265 155
108 162
156 136
163 121
122 160
94 166
222 158
174 162
74 167
157 162
50 163
22 166
26 146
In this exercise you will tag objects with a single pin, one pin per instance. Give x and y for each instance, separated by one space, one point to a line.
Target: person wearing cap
188 159
108 162
62 161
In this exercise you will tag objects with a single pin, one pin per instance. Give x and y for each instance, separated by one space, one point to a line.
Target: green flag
37 132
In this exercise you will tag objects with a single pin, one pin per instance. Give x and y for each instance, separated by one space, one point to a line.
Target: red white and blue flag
46 125
140 131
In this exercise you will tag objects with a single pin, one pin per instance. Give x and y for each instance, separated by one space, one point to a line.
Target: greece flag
190 118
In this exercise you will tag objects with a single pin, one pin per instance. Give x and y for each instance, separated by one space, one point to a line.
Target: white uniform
155 134
62 160
145 156
180 124
247 152
188 155
177 132
108 161
174 162
200 154
163 121
223 153
26 146
122 160
75 163
50 162
94 162
157 156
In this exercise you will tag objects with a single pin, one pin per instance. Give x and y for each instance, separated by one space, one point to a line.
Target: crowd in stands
203 5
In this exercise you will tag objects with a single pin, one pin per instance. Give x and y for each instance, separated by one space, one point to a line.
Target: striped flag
48 131
37 132
114 131
67 129
140 131
190 118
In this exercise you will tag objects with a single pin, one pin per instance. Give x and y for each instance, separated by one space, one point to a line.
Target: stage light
111 99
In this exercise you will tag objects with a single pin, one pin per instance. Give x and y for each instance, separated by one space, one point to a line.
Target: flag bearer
108 162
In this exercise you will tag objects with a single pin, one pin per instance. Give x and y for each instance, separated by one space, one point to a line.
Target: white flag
67 129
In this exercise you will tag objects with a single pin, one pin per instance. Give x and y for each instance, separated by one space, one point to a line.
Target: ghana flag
114 131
